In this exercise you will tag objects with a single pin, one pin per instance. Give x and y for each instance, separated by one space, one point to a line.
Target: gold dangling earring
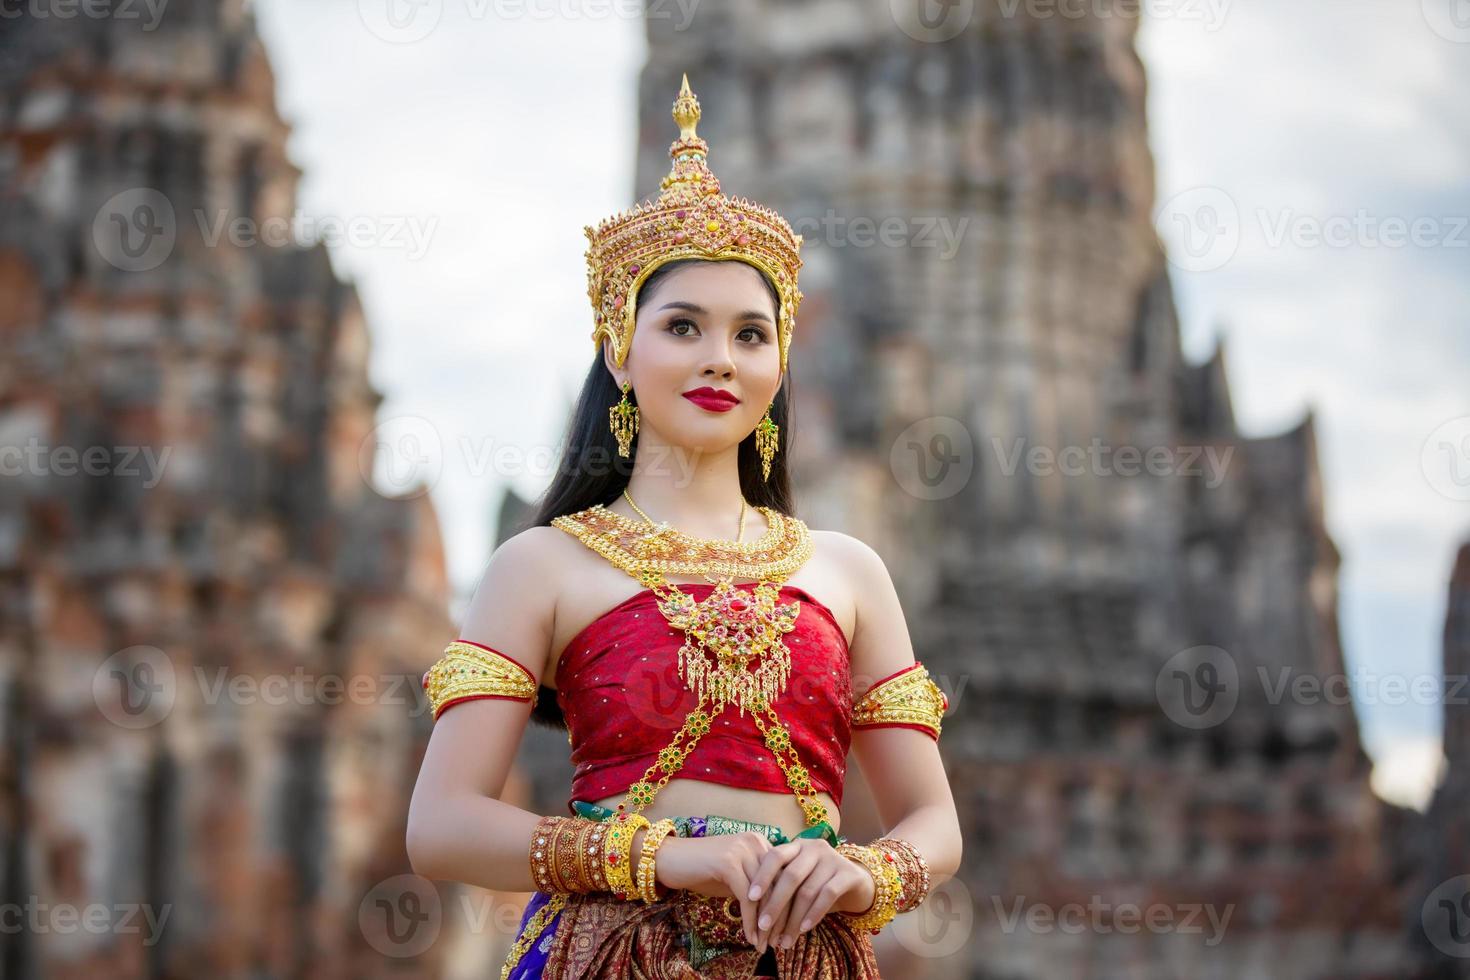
623 420
767 434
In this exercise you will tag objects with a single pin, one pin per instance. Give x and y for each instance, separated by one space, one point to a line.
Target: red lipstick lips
712 399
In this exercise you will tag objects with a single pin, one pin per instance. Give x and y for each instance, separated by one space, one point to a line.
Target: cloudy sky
1313 192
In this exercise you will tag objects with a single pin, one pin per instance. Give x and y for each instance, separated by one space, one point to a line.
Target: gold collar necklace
664 527
726 635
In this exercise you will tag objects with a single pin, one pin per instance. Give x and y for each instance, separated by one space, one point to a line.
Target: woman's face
705 325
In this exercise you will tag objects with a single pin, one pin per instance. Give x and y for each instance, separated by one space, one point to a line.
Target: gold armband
907 698
471 670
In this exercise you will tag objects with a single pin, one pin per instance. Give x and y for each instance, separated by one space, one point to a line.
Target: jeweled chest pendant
724 635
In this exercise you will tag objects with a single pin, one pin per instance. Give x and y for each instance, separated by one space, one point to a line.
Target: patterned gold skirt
686 935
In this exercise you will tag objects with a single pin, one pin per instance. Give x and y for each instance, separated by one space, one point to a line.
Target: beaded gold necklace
725 634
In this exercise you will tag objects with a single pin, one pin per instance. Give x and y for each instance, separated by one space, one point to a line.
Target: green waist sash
716 824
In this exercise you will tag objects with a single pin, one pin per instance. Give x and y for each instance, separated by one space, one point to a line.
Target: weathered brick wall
211 624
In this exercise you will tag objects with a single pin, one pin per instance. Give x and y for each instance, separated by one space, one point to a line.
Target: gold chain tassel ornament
623 420
767 436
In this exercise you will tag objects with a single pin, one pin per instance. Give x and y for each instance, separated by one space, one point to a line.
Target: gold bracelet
913 871
561 856
618 850
886 887
589 856
648 887
541 842
580 850
566 855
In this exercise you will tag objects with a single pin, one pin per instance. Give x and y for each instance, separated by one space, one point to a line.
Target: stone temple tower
1455 788
1109 580
211 625
1444 852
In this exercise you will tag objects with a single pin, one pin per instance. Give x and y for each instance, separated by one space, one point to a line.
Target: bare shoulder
543 543
531 550
880 642
557 553
535 560
512 609
846 573
854 556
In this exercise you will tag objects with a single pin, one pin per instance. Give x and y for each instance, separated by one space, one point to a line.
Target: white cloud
1407 770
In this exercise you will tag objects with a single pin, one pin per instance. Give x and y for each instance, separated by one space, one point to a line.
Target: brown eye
677 323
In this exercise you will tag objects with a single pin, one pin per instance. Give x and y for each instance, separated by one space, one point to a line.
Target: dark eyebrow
696 308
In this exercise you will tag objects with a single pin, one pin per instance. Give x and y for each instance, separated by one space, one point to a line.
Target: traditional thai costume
746 685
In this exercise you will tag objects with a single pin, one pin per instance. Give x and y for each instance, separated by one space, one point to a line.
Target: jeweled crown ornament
690 220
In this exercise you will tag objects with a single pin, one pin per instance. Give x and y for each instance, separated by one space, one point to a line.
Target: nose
718 358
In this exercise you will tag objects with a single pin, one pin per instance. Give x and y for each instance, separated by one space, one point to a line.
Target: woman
753 654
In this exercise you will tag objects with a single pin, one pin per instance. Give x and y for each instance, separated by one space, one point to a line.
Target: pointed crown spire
691 219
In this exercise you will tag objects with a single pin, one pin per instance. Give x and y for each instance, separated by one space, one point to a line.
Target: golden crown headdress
690 220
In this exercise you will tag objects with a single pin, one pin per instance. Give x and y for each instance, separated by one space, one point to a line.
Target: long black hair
591 471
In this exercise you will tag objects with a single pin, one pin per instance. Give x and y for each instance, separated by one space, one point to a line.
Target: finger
776 905
789 882
748 908
812 901
771 864
750 857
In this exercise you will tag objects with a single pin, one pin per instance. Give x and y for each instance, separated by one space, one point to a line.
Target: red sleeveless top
618 687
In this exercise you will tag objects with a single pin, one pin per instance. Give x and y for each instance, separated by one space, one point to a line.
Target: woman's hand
799 882
721 866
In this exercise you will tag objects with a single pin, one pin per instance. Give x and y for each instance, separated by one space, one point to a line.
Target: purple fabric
534 960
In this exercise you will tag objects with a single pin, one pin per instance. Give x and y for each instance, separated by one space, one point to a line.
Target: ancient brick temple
1441 857
194 569
1113 643
1077 618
